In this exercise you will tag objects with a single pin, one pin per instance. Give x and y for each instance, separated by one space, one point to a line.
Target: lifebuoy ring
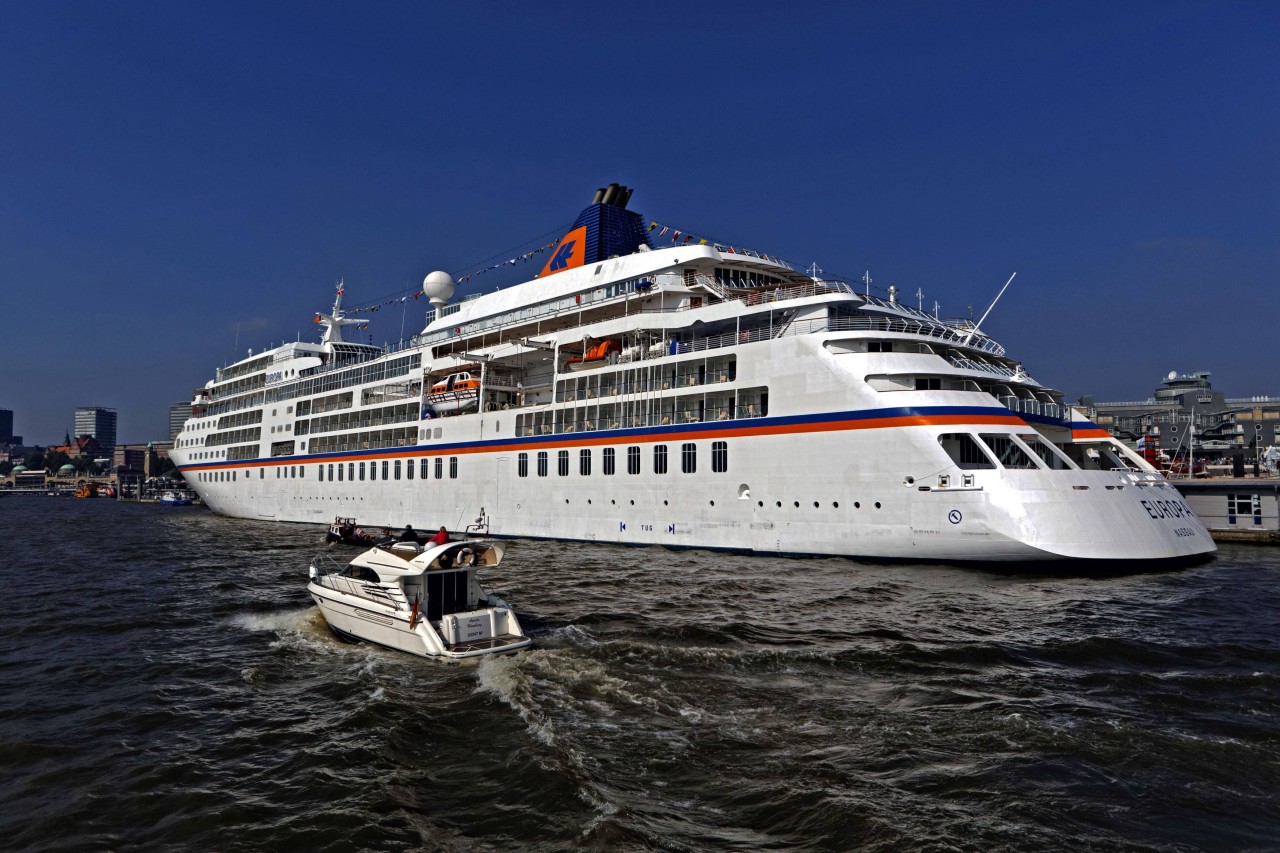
466 557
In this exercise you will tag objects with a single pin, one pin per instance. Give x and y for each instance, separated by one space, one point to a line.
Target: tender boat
175 499
455 393
345 530
425 601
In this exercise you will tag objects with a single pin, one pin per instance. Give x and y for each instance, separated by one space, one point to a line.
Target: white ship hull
793 431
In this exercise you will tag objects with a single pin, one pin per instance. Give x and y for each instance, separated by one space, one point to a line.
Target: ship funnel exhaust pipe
614 194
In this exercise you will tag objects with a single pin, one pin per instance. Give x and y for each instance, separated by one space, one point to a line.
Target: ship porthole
664 503
713 503
877 504
835 504
857 505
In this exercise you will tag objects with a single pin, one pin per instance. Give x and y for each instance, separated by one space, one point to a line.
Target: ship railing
661 416
1034 407
987 367
330 576
784 328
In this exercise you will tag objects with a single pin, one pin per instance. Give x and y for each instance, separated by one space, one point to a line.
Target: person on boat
408 534
441 538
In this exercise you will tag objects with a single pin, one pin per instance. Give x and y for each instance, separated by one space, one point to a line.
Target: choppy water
165 683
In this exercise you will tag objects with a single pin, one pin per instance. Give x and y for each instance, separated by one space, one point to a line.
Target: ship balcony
1040 408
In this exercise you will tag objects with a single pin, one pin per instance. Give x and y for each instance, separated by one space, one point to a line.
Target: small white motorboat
425 601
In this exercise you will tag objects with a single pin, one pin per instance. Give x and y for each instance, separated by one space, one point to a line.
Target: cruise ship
693 395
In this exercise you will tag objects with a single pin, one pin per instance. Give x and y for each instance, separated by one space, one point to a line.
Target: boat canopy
391 565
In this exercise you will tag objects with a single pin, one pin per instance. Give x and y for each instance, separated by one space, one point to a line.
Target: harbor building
1225 452
1186 412
6 426
98 423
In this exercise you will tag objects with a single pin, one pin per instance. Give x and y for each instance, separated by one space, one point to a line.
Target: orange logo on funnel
570 252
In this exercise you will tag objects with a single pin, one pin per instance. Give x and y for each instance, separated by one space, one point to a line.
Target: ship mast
335 320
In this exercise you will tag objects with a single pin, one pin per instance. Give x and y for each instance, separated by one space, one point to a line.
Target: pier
1236 509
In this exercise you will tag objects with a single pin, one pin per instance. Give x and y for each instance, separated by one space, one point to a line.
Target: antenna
814 270
978 325
866 279
919 299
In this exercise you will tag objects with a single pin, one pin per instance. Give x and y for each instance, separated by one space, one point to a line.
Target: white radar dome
438 287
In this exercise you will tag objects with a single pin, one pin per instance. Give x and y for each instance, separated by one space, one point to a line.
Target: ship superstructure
691 396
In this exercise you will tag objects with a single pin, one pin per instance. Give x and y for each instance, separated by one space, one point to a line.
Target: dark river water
166 684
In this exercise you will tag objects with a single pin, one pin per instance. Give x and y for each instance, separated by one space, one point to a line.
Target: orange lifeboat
455 393
599 352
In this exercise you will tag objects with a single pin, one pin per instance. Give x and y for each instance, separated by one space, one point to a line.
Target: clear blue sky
177 175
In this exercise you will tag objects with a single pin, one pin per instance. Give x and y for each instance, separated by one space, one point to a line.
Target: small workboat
425 601
172 498
346 531
455 393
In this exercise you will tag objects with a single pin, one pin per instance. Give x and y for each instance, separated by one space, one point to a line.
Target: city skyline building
178 414
99 423
6 425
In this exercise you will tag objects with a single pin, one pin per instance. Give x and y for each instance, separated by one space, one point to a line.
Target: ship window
1048 454
386 466
542 463
453 467
879 346
361 470
608 455
331 472
439 467
425 468
964 451
302 470
659 459
320 473
339 472
351 471
408 469
397 469
373 470
522 465
584 462
1007 451
633 460
689 457
928 383
562 463
719 456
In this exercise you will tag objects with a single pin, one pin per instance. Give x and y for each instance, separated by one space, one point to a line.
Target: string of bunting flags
683 238
510 262
417 294
678 237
